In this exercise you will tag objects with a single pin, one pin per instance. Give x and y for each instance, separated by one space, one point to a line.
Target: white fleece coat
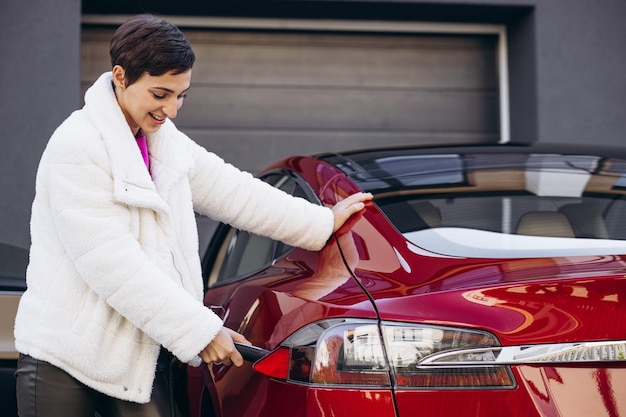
114 269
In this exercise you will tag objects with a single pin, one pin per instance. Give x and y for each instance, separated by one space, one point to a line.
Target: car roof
390 151
379 169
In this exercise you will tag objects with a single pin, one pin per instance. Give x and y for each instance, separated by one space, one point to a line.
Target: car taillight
368 353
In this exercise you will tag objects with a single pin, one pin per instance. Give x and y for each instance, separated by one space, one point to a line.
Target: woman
114 275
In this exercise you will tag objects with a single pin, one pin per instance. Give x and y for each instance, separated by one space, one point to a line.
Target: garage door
260 95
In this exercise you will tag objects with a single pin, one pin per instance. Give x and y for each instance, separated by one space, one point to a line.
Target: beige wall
258 96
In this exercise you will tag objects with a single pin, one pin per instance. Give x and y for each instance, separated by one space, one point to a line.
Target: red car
481 281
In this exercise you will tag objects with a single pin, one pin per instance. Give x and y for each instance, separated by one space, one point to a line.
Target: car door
247 279
259 287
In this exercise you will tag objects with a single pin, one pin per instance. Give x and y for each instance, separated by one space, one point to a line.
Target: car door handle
220 311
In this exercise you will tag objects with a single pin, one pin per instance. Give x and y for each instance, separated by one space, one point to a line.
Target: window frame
222 243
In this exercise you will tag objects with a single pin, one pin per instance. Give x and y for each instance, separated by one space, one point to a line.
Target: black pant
43 390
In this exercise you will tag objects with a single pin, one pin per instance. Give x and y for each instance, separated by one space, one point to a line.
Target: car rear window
507 224
504 202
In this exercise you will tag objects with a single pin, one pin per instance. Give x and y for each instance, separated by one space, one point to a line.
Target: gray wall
567 69
581 71
39 74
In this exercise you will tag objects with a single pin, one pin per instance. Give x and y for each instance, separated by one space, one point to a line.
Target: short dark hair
147 43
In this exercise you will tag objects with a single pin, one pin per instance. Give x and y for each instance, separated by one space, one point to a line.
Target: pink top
143 147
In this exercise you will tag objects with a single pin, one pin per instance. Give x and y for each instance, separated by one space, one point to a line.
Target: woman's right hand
350 205
222 348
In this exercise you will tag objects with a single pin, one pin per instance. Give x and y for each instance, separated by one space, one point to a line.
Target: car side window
13 263
242 253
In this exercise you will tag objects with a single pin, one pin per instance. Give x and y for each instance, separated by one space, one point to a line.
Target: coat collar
133 184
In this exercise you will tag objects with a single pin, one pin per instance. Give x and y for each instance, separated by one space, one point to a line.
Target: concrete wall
39 74
567 69
581 71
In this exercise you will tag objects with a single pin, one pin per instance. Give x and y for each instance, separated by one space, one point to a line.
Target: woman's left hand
348 206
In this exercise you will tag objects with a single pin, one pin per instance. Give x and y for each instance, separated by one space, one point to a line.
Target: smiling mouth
158 118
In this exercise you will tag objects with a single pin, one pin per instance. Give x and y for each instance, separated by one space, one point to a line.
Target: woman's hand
222 349
348 206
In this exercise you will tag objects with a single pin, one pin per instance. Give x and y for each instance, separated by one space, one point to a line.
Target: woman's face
150 100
